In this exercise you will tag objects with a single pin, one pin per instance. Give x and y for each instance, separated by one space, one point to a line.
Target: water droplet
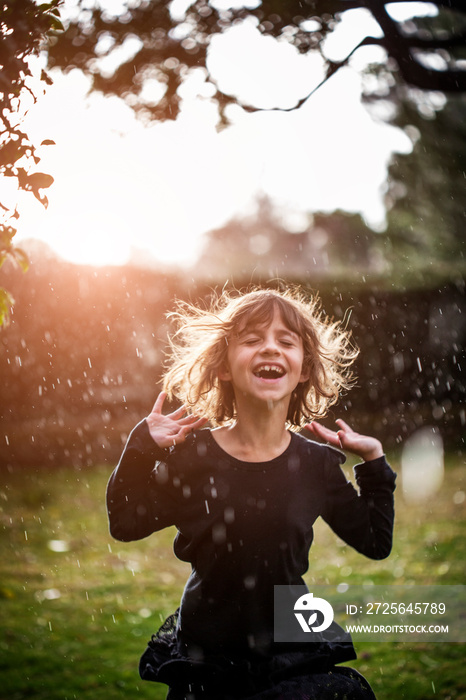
48 594
422 464
249 582
58 546
219 533
229 515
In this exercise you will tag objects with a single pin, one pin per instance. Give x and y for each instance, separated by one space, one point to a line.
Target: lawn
77 607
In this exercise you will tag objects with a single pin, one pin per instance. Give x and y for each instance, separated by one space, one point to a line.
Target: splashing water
422 465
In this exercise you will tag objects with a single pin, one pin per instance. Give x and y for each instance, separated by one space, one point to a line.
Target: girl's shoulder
319 462
317 450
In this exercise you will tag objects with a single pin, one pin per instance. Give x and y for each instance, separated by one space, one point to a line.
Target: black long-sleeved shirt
244 527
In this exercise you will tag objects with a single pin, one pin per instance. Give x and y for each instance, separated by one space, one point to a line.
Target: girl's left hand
363 446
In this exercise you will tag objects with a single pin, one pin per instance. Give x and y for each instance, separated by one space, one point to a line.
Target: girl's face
265 362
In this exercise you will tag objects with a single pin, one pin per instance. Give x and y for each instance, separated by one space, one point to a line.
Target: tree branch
332 68
399 47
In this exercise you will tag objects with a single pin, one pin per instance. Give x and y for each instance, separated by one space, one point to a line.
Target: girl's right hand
173 428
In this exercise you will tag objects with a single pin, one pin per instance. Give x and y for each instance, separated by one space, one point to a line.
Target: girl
245 494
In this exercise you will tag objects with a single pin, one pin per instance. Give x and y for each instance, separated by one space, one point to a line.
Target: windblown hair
200 345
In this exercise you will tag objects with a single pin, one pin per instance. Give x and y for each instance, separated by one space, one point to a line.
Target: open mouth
269 372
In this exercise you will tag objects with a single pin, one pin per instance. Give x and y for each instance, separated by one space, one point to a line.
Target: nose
270 345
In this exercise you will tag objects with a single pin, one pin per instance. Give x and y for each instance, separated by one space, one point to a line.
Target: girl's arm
363 520
139 498
136 502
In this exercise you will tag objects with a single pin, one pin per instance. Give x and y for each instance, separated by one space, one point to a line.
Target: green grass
75 622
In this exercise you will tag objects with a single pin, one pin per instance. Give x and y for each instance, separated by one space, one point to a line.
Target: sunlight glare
265 73
124 190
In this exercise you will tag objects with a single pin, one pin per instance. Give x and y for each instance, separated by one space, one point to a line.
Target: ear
224 373
305 374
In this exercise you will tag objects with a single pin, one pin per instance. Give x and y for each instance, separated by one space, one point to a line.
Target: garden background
82 355
80 364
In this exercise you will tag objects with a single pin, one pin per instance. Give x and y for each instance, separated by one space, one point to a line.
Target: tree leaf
39 181
55 23
21 258
6 303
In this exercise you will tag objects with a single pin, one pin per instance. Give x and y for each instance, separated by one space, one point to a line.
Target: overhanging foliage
166 44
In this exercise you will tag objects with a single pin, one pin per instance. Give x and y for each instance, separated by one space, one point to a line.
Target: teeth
265 369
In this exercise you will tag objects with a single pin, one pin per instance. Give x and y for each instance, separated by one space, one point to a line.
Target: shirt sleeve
138 500
364 518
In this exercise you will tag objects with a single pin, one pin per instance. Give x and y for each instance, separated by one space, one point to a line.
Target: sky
124 189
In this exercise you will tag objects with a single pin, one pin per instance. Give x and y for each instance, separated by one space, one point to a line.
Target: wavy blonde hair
200 345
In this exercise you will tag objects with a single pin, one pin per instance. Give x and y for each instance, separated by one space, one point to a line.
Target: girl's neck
257 438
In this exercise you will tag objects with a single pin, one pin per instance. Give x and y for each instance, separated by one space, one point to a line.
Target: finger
157 408
199 423
325 434
178 413
313 427
193 425
187 420
193 419
321 430
181 435
344 426
341 436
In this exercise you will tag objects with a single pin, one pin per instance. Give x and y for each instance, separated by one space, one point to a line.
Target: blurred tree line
83 355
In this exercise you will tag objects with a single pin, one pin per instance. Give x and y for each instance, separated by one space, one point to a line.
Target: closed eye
288 340
251 340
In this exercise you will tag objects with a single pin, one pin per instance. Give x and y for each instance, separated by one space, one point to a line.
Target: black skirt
299 674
